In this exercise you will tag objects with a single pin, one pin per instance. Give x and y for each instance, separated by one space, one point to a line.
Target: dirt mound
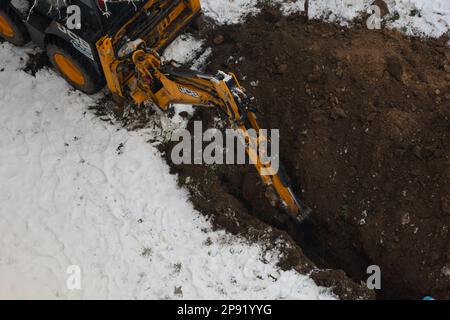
365 130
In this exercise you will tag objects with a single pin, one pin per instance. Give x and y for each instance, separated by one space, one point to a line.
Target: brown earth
364 121
216 192
365 131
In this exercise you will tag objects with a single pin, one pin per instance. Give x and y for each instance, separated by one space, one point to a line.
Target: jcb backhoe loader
122 50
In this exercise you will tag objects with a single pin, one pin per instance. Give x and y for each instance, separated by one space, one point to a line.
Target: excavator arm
133 69
168 84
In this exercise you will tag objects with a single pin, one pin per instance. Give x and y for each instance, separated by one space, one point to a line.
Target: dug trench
364 119
364 126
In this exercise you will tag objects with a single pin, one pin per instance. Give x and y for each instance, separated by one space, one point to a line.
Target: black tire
20 36
93 80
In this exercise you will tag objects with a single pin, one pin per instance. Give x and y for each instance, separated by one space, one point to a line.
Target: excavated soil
226 194
365 131
216 192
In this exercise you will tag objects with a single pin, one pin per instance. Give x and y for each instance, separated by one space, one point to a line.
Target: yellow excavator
125 53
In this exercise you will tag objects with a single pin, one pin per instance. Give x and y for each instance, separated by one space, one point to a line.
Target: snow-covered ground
71 196
75 190
414 17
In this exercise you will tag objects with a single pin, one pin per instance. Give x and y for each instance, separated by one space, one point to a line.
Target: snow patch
79 191
229 11
414 17
421 17
183 49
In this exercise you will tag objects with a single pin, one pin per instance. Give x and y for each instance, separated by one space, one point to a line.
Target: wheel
75 68
12 28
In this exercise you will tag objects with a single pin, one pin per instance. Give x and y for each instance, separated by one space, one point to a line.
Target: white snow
183 49
337 10
70 198
293 6
229 11
432 18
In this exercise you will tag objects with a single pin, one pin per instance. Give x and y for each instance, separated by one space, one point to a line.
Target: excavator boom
133 69
168 84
